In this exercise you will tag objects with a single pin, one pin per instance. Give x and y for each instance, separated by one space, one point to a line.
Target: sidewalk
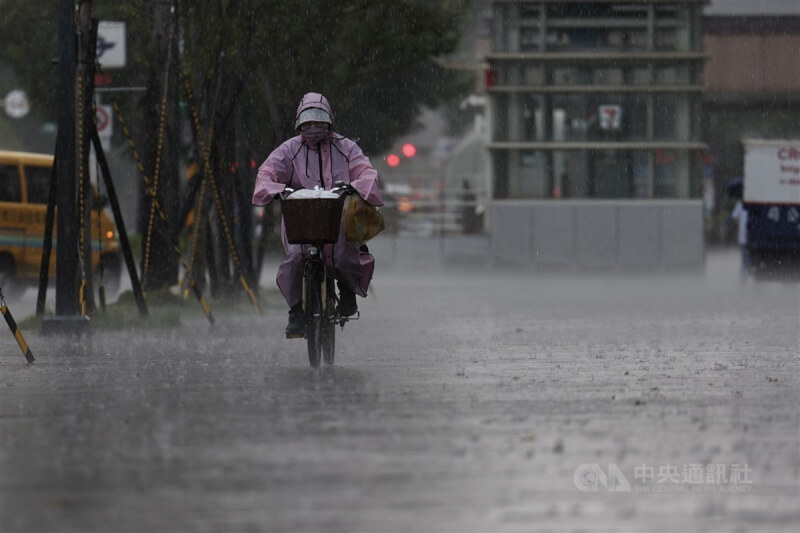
405 252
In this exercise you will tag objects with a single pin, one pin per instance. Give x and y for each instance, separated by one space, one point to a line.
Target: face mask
314 135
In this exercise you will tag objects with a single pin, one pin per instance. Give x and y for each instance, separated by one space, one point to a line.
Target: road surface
462 401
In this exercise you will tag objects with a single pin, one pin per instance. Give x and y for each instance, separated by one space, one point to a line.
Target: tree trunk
157 114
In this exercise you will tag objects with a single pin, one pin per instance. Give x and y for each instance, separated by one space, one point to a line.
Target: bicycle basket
312 220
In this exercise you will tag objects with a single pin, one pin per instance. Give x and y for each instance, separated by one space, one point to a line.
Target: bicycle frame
319 306
319 296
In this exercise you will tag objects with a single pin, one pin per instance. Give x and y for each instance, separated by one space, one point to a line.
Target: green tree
250 61
377 61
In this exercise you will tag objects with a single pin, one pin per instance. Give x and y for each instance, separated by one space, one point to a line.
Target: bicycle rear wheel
314 317
328 333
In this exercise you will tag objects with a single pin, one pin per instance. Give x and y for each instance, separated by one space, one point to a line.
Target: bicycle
313 222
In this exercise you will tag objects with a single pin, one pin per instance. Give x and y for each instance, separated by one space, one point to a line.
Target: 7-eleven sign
610 117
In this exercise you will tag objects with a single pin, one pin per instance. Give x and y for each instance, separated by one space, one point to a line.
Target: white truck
771 196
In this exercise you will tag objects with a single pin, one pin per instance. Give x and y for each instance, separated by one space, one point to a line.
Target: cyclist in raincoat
318 156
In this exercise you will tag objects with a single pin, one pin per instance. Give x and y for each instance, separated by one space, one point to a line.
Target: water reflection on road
461 401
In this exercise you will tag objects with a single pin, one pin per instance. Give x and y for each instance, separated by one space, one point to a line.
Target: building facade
596 133
752 90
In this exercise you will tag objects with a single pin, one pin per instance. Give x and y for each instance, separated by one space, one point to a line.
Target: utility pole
158 116
67 317
87 44
67 233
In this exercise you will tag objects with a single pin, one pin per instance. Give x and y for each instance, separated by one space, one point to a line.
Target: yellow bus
24 188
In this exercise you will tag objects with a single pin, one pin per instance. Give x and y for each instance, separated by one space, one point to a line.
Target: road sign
102 80
103 116
16 104
610 117
111 44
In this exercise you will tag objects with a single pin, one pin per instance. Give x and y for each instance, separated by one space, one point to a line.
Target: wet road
460 402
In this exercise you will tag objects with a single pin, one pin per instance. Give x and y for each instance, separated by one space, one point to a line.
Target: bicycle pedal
344 319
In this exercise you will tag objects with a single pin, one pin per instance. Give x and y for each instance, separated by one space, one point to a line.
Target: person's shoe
297 322
347 301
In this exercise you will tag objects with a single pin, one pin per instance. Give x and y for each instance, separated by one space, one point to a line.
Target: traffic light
408 150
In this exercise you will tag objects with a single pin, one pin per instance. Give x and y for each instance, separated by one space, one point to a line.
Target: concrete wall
646 235
748 63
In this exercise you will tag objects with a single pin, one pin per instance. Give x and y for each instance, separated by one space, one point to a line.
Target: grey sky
753 7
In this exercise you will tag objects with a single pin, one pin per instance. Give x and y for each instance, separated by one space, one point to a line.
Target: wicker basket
312 220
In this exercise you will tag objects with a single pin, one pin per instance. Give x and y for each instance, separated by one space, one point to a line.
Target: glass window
501 73
531 128
579 39
511 73
500 117
558 40
9 184
626 39
38 184
622 11
673 24
500 164
634 117
564 76
596 26
609 115
528 39
504 17
533 179
600 117
666 39
529 11
610 174
665 176
533 75
572 76
675 75
666 106
640 167
666 11
569 173
634 11
640 76
608 76
572 107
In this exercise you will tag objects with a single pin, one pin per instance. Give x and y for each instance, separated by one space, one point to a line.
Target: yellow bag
361 220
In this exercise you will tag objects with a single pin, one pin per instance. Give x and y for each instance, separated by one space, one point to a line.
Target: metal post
115 209
66 146
47 245
87 42
67 318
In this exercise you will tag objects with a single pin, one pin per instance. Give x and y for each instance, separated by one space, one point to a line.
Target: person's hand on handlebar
285 193
342 188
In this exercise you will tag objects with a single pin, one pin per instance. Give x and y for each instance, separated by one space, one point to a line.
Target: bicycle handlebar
341 188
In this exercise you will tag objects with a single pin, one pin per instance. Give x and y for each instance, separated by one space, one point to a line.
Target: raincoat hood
313 101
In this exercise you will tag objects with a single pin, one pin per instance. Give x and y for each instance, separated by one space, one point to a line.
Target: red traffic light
392 160
409 150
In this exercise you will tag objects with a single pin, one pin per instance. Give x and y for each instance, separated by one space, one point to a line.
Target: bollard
12 324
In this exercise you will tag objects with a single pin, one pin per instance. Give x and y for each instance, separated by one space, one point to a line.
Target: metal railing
431 212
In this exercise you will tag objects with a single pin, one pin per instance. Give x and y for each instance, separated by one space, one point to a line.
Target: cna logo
591 477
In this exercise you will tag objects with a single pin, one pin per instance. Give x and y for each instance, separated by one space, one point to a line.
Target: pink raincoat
297 165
